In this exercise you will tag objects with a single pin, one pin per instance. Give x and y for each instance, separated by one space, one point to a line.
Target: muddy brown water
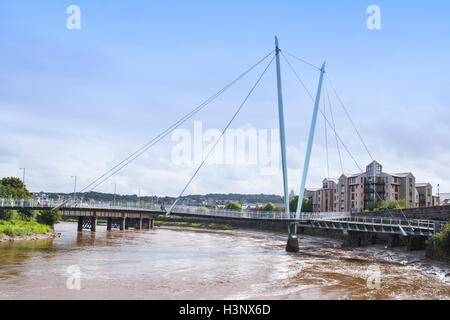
181 263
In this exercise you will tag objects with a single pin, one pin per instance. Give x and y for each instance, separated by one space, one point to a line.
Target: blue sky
74 102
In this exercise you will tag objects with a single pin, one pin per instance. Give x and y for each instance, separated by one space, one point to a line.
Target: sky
75 102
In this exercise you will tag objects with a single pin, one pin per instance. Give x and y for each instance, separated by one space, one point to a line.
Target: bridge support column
292 243
109 225
93 224
127 223
353 239
122 223
80 224
393 241
415 243
140 224
152 220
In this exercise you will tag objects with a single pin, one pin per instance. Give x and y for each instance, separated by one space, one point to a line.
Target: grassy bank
439 246
20 228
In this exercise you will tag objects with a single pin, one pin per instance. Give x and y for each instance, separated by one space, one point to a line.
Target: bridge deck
323 220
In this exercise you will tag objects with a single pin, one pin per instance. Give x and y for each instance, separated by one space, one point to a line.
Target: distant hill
209 199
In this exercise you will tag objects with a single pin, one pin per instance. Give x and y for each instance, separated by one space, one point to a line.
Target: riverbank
35 237
19 230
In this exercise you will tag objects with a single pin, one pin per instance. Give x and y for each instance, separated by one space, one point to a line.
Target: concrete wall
431 213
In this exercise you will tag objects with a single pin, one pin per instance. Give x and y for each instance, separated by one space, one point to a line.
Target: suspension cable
366 148
349 117
221 135
323 114
101 179
326 139
334 125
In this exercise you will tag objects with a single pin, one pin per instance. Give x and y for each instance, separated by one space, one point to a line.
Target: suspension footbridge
139 216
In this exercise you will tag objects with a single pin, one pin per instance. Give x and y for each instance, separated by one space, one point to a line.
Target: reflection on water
201 264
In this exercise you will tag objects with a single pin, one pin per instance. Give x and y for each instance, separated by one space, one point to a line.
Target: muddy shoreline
35 237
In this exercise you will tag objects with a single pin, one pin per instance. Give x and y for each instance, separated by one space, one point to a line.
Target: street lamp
115 188
139 197
74 188
23 177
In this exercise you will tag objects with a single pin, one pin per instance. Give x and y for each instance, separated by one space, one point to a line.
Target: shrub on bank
6 215
49 217
19 228
439 246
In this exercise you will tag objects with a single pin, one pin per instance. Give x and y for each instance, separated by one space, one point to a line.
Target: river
176 263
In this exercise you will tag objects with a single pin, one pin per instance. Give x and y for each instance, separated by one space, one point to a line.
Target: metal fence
194 210
393 222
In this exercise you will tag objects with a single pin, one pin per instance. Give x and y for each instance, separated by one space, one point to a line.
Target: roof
423 184
403 174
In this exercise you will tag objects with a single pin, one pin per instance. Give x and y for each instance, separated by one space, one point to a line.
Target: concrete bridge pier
358 239
393 241
416 243
80 224
292 244
147 223
122 224
93 224
109 224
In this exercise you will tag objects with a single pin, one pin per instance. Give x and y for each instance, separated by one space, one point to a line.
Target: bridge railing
39 204
384 221
196 210
266 215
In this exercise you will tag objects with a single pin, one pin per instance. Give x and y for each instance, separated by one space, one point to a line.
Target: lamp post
139 197
115 189
74 188
439 197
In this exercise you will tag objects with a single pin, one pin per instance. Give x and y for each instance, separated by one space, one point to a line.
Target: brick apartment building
355 192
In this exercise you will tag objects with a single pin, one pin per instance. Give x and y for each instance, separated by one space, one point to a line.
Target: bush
269 207
6 215
233 206
48 217
18 228
439 246
26 215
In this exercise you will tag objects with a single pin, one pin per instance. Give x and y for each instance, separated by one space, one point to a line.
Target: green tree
49 217
233 206
13 187
269 207
306 205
